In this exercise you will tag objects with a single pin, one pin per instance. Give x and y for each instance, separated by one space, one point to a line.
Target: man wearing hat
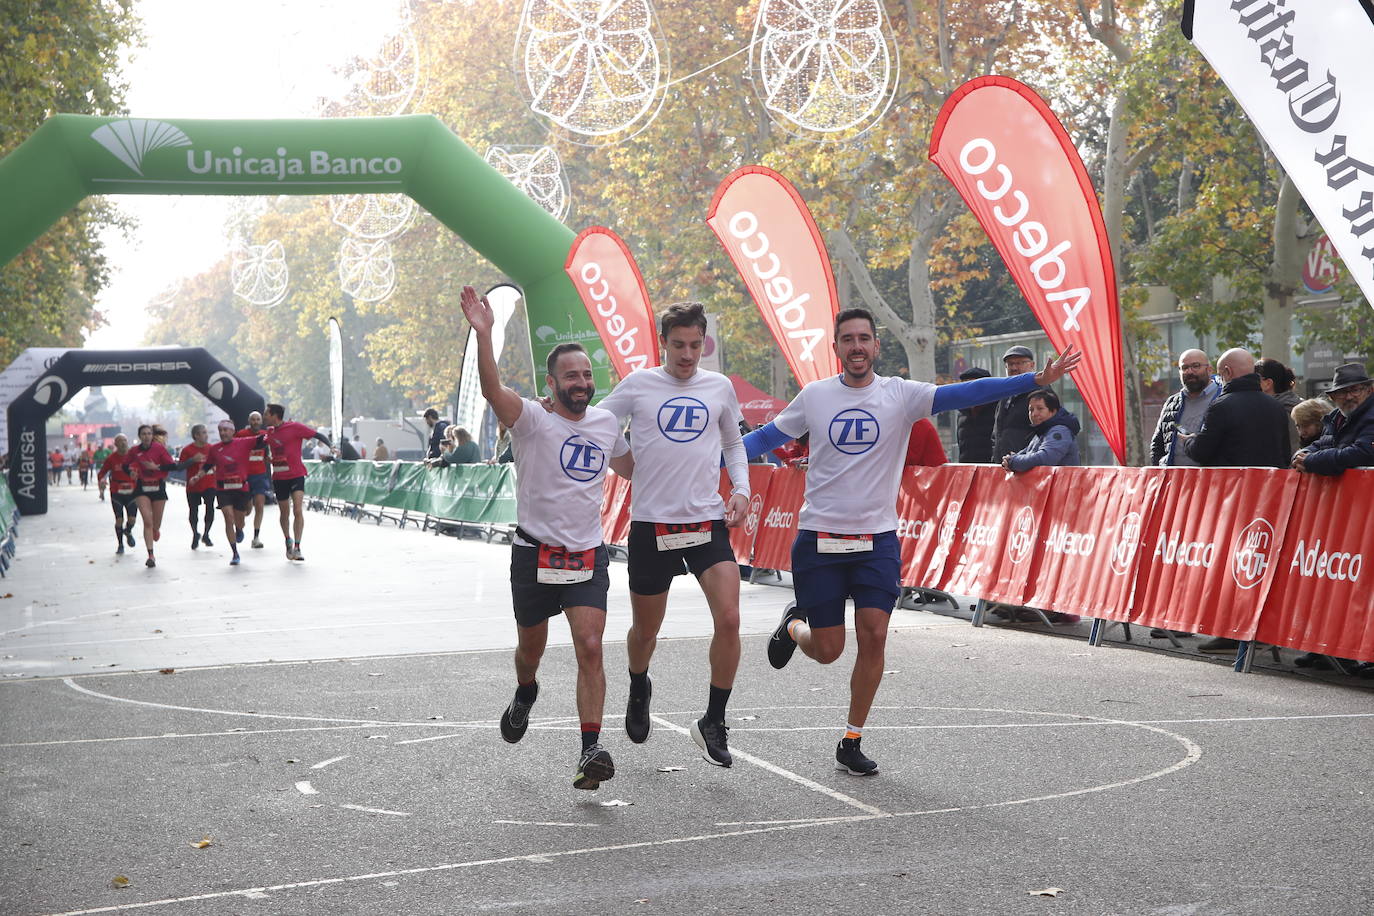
1347 439
975 425
1011 427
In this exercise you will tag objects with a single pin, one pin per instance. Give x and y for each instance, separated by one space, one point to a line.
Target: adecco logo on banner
1022 537
1250 553
1125 542
1315 563
131 139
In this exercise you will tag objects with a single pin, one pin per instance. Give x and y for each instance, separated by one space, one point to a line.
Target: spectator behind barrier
1183 410
1308 416
1011 424
438 429
1244 427
380 452
975 425
1276 380
1054 431
1347 439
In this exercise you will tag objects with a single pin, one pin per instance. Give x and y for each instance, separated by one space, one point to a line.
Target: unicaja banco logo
133 138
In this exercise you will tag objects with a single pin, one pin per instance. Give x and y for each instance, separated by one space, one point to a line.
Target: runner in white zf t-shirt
681 419
558 561
846 544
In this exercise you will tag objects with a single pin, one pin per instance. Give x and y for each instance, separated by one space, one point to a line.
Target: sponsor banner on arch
777 527
1320 601
1019 173
742 536
928 508
606 277
1212 550
995 545
1089 548
769 234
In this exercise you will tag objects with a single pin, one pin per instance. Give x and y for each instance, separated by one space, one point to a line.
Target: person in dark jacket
1244 427
1277 380
1347 439
438 430
1055 430
975 425
1183 410
1011 427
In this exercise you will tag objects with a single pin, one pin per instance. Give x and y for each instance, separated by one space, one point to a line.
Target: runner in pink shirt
284 438
229 464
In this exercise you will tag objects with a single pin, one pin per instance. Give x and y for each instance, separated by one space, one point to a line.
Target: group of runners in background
240 469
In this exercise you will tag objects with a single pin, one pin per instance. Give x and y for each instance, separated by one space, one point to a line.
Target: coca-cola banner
1304 74
1323 596
742 536
1018 171
928 508
1089 550
1212 549
777 527
998 532
608 280
773 241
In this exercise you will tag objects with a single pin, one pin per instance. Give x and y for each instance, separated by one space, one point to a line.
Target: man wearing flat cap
1011 427
1347 439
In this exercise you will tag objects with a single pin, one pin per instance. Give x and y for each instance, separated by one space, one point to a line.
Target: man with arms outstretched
558 561
288 473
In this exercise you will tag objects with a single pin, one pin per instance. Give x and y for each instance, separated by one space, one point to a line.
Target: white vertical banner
503 298
1304 73
336 382
710 348
19 375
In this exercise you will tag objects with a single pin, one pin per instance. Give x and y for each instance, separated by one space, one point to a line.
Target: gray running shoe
594 768
711 738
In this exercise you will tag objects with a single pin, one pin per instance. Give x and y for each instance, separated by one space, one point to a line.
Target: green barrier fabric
6 509
71 157
478 493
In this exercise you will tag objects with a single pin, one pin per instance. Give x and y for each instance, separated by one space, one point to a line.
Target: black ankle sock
715 705
639 682
526 693
590 737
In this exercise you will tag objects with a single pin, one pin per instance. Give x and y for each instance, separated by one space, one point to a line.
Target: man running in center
259 480
200 485
846 544
288 473
681 418
227 466
558 558
123 490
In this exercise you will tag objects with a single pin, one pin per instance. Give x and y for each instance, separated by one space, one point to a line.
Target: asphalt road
330 728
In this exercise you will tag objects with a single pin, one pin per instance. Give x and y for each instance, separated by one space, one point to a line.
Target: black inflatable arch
76 369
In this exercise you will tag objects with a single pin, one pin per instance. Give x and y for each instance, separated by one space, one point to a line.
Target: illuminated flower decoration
258 273
168 295
372 216
539 174
592 67
824 65
389 79
366 270
242 215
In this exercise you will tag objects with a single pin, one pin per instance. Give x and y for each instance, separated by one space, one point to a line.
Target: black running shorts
126 501
535 602
286 486
652 570
237 500
155 494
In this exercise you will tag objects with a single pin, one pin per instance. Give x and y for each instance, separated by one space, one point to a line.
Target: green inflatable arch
72 156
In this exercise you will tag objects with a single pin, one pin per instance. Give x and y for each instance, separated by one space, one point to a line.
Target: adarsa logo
1315 563
28 463
615 323
789 309
136 367
776 518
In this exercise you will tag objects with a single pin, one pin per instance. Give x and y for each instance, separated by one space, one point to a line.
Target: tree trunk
917 338
1285 271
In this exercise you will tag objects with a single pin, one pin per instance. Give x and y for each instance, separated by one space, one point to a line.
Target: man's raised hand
477 310
1056 369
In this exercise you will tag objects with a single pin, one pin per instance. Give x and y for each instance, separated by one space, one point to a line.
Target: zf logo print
854 431
581 460
683 419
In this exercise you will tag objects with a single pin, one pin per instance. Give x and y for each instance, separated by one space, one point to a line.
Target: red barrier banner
769 234
1089 550
995 543
777 527
1018 171
615 509
608 280
742 536
1321 599
928 508
1212 549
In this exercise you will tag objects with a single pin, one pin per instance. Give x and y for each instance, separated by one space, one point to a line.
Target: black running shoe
710 737
594 768
849 757
129 536
120 549
637 712
205 539
782 645
195 540
516 718
150 562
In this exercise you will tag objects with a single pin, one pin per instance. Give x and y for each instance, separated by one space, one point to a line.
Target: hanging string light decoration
258 273
372 216
366 269
539 173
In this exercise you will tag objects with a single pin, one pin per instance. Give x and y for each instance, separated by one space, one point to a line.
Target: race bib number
124 489
559 566
843 543
678 536
150 487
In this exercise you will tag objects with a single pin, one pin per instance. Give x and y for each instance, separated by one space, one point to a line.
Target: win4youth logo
582 459
683 419
133 138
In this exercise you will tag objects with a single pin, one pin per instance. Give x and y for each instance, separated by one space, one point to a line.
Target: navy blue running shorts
822 581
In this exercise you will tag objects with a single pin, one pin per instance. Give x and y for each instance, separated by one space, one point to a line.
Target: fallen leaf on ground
435 718
202 843
292 760
7 595
1047 892
157 631
374 674
616 803
166 671
747 718
120 881
671 769
893 671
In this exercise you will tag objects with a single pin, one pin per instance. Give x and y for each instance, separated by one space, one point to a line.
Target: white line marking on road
786 774
237 733
376 810
324 763
305 788
423 740
796 820
544 824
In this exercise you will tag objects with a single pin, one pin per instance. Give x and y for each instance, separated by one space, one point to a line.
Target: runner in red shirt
149 462
201 492
259 475
122 490
288 473
227 464
55 461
